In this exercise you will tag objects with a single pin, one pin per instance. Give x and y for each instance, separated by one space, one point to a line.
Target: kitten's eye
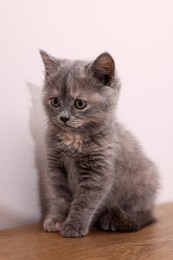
55 102
80 103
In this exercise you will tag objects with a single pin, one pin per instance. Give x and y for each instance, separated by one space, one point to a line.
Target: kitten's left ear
51 64
103 68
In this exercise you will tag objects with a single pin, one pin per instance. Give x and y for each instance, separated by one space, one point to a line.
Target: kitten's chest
72 146
73 142
72 151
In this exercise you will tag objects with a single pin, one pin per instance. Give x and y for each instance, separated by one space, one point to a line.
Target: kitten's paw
50 225
107 223
72 230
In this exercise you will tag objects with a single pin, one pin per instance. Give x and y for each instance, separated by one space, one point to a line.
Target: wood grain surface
152 242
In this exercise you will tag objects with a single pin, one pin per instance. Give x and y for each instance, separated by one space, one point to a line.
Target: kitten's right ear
51 64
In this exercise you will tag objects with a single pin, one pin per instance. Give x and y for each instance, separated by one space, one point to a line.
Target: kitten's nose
64 118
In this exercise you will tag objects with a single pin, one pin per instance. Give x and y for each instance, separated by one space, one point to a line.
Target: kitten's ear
51 64
103 68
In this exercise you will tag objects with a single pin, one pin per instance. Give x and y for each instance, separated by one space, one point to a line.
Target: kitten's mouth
68 126
71 126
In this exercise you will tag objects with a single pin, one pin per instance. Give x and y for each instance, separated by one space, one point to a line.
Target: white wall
139 35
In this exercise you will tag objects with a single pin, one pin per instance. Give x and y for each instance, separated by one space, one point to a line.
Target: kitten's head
80 95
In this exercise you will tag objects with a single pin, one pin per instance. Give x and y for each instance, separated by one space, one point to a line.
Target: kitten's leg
118 220
91 192
58 200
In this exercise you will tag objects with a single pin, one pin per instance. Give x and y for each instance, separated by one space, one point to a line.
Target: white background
138 34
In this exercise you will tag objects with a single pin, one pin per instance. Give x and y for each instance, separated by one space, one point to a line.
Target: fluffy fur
96 172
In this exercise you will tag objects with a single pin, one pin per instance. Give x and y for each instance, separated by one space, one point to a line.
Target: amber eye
80 103
55 102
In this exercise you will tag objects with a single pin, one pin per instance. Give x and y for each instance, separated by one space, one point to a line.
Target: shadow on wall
37 125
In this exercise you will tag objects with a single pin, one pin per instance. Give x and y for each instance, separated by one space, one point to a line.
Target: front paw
50 225
73 230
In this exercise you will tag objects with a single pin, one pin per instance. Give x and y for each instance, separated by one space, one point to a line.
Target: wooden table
152 242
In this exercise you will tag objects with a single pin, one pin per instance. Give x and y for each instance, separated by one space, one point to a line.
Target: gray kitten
96 170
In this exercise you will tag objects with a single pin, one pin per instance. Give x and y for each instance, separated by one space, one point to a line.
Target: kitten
96 172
